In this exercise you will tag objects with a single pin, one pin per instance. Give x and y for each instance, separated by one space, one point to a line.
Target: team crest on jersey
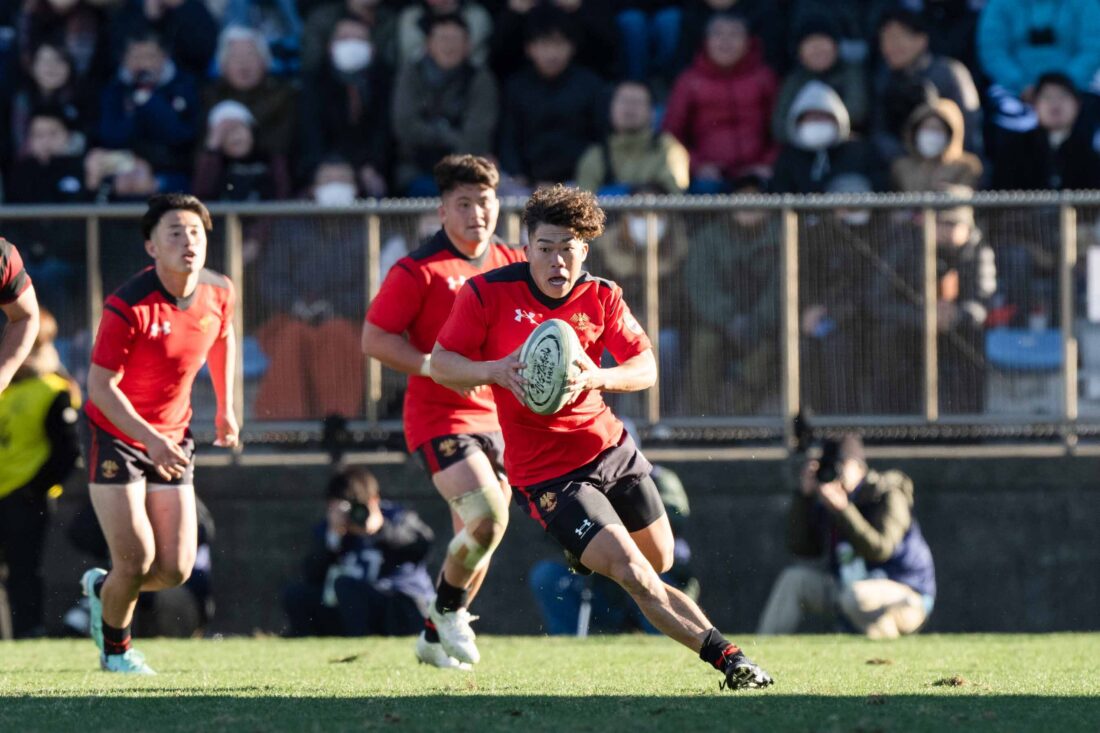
454 282
580 321
158 329
448 447
205 321
108 468
548 501
530 316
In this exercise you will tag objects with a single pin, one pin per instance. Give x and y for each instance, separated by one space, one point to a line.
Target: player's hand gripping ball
548 355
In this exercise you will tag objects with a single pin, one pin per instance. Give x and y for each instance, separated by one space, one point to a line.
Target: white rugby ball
548 354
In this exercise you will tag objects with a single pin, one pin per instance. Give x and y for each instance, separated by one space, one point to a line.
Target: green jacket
637 159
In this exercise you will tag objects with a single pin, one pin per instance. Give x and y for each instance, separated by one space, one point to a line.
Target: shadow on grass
471 711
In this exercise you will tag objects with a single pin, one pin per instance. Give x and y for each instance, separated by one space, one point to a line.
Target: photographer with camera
863 559
365 574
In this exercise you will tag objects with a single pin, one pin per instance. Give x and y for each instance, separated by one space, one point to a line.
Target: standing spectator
553 110
634 156
590 23
152 108
231 167
719 108
1058 154
348 106
442 104
818 57
51 83
186 28
365 574
415 22
379 18
38 451
649 34
244 60
78 26
821 144
911 76
278 23
934 151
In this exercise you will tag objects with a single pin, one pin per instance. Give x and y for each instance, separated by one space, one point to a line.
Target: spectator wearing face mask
347 103
379 18
934 143
231 167
821 144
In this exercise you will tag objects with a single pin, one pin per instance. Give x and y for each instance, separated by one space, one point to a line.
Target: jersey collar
182 303
545 299
443 239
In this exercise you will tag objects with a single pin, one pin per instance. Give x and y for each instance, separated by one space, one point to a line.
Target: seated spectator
415 23
731 279
951 26
244 60
365 573
553 110
51 83
1058 154
379 18
51 168
186 28
911 76
80 27
442 104
230 166
152 109
311 275
821 144
862 558
934 151
590 23
634 156
348 106
278 23
649 36
764 23
120 175
720 107
856 22
818 58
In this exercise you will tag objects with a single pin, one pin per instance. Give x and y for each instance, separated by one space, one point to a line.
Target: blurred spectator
379 18
186 28
649 33
278 23
51 168
78 26
821 144
38 451
442 104
731 278
634 156
560 594
231 167
416 21
818 58
911 76
720 107
119 175
1058 154
589 23
152 109
856 22
347 105
934 151
862 559
365 573
764 23
951 25
244 60
312 287
553 110
51 83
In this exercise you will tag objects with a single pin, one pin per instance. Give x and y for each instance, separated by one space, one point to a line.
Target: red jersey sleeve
14 280
623 336
117 330
398 302
466 328
227 309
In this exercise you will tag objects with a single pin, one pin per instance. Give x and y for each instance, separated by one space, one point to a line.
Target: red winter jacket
723 116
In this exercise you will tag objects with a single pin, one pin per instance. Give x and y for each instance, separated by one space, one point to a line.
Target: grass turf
824 683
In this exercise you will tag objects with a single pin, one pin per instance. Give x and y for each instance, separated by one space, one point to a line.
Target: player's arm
394 350
633 375
222 359
104 391
19 335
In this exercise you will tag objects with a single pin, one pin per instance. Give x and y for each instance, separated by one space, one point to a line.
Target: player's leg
174 520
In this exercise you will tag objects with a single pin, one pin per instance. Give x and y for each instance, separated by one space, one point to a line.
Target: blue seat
1024 350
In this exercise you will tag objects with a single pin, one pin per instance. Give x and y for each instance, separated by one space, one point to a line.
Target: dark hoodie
954 166
1031 161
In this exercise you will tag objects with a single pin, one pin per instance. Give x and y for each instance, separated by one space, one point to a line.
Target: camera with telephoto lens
828 466
355 512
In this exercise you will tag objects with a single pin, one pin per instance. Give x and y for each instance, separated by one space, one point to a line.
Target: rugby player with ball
535 332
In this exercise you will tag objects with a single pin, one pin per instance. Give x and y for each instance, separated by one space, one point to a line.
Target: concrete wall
1016 541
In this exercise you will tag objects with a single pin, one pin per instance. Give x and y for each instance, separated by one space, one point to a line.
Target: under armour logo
582 530
454 283
160 328
529 315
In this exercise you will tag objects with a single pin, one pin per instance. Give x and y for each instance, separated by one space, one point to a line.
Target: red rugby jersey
13 278
495 313
159 342
415 299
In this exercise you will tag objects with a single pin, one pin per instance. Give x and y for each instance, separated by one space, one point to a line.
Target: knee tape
473 507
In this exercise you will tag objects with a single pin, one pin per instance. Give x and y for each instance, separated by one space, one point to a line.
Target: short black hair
1056 78
572 208
145 34
910 19
343 484
546 21
430 22
161 204
456 170
52 111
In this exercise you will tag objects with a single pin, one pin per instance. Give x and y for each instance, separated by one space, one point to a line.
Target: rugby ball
548 355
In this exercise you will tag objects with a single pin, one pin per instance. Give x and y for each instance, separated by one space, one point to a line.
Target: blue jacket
1008 29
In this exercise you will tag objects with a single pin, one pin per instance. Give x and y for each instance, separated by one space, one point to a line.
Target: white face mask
930 143
636 226
351 55
817 135
336 193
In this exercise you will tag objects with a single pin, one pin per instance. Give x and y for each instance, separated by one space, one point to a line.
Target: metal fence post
373 276
931 298
234 266
1067 263
94 275
653 312
789 324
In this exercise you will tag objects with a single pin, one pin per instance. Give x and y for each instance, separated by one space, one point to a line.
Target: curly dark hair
161 204
561 206
456 170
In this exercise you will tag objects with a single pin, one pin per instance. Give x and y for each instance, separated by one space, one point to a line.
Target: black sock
447 597
97 586
717 649
115 641
431 634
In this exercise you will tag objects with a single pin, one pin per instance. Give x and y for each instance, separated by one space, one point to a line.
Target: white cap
229 110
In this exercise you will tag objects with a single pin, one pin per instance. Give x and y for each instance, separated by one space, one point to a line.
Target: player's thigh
614 554
639 505
473 470
174 520
120 509
656 543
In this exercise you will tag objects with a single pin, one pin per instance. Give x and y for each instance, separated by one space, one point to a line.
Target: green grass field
631 683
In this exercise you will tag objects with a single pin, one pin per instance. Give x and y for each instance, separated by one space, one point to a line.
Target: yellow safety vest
24 445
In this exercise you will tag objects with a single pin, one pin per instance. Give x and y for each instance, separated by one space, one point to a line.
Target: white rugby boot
455 634
433 654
